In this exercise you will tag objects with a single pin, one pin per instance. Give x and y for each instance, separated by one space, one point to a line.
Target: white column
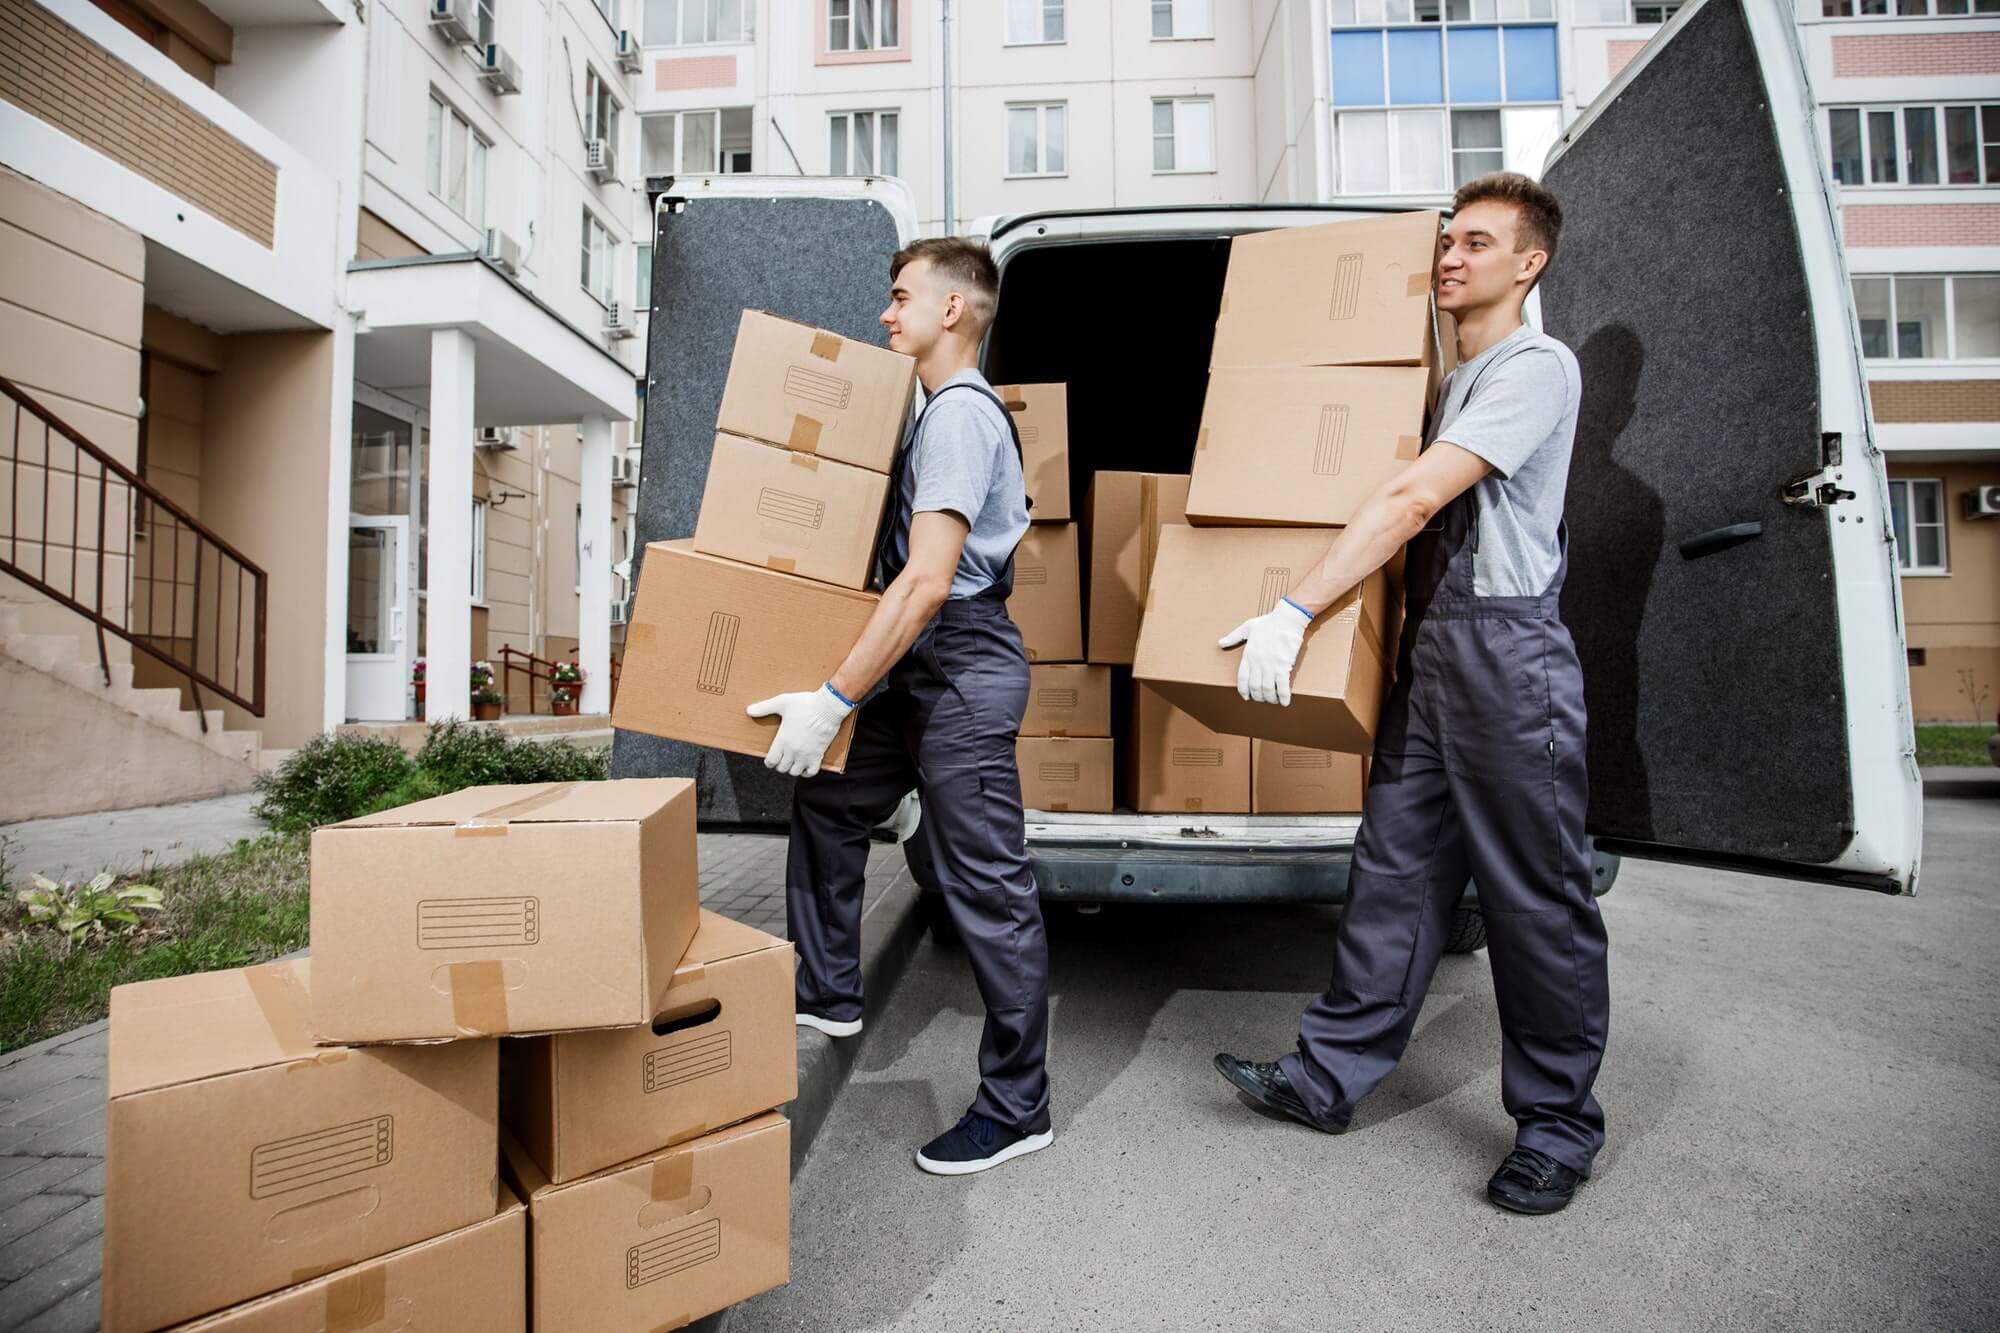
593 617
448 618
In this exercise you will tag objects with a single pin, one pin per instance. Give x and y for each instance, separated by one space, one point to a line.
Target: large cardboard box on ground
723 1048
819 393
709 637
495 910
473 1278
1065 772
1048 600
1336 294
1068 699
1125 512
1294 780
1208 580
663 1240
1041 416
239 1158
1302 446
792 512
1174 764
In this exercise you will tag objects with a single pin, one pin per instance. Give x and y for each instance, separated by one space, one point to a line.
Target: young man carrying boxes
953 678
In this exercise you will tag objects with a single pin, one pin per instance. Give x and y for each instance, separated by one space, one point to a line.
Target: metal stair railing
92 535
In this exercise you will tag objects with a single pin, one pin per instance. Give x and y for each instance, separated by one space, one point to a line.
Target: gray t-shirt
965 463
1515 405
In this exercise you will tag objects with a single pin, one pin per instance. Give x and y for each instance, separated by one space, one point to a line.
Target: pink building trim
1618 54
1899 54
1920 224
692 72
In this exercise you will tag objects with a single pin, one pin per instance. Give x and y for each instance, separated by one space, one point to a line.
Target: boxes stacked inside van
524 1080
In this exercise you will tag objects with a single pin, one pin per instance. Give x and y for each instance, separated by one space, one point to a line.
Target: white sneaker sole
1033 1143
829 1026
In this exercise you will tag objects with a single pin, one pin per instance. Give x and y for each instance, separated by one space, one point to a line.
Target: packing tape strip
312 1272
1058 805
1418 285
495 820
357 1301
1408 446
275 988
678 1322
687 974
810 462
784 564
673 1177
1061 733
478 997
826 346
805 434
1201 439
640 634
1149 532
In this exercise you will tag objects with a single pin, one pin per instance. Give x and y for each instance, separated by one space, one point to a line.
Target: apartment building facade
312 369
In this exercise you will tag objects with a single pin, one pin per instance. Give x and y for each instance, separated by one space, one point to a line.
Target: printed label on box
685 1061
1332 439
818 387
472 923
1346 286
718 650
675 1252
787 507
311 1159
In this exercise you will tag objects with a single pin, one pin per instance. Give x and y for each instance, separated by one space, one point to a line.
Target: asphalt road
1802 1088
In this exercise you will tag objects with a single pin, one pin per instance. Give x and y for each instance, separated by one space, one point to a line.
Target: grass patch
1954 747
242 907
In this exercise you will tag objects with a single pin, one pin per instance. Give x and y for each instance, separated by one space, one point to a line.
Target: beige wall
1954 619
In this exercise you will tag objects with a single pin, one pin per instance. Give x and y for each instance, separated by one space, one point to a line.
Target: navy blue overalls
944 722
1478 771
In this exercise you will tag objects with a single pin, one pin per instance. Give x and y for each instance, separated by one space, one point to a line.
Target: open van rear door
1732 581
813 249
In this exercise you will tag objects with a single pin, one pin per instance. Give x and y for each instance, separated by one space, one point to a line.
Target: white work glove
1271 644
807 723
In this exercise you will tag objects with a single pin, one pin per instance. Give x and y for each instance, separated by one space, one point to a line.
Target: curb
892 931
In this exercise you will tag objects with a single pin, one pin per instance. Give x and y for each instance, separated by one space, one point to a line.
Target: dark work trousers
1479 771
945 725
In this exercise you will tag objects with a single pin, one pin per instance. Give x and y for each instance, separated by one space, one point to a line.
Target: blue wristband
1296 607
828 687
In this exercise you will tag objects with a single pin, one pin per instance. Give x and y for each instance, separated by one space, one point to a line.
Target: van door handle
1719 539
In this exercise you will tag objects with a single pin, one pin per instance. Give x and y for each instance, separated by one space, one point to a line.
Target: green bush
328 779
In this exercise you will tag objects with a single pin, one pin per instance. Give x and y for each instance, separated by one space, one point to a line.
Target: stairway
84 746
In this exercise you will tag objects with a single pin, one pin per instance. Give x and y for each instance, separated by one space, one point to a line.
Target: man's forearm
907 605
1378 531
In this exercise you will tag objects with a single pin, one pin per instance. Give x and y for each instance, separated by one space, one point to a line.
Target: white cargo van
1732 582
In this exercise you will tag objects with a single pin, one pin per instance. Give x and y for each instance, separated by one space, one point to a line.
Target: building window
485 20
1848 9
1038 140
1929 317
861 25
642 278
598 248
1182 19
695 143
695 22
1034 22
1915 145
457 162
1628 12
479 552
600 110
1916 508
862 143
1183 134
1375 13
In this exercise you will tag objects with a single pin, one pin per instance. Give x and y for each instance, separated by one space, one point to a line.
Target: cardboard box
1067 699
1174 764
1294 780
1340 293
1208 580
1126 511
1302 446
709 637
792 512
240 1159
663 1240
1041 415
1065 773
816 392
497 910
1048 600
473 1278
722 1049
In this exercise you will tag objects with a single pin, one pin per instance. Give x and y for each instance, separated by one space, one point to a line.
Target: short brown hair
1540 215
967 267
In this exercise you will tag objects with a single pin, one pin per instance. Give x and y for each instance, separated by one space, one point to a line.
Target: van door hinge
1815 490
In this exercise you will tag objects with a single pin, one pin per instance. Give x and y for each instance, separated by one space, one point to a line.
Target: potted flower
417 681
486 704
567 677
563 701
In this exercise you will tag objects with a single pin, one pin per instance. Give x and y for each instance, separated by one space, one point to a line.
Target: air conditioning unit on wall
503 250
455 20
617 320
618 613
600 160
623 473
629 58
1982 502
500 439
499 69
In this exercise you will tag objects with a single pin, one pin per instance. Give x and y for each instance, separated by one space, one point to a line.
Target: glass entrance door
378 602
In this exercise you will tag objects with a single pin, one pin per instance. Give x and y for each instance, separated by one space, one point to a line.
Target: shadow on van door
1617 523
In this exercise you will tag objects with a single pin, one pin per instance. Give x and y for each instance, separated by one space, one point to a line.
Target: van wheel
935 914
1468 931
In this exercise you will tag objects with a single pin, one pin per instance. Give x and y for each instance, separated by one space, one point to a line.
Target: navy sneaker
1532 1182
832 1027
978 1144
1267 1085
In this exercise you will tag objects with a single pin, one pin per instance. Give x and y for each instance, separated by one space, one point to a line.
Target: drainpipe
950 145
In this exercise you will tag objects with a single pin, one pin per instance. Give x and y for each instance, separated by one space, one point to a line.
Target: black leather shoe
1532 1182
1267 1085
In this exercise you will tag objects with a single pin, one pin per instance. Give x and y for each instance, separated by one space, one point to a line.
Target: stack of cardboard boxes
1327 350
340 1143
768 595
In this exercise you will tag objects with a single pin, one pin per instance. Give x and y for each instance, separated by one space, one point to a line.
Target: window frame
721 165
480 508
1950 338
439 116
1172 9
599 265
1058 8
1906 561
642 278
1442 11
838 119
746 12
1214 158
887 16
1891 11
597 92
1041 140
1940 140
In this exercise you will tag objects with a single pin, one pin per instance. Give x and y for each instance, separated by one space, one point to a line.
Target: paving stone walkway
52 1113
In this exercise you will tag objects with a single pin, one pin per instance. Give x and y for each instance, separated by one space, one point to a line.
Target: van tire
1468 931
